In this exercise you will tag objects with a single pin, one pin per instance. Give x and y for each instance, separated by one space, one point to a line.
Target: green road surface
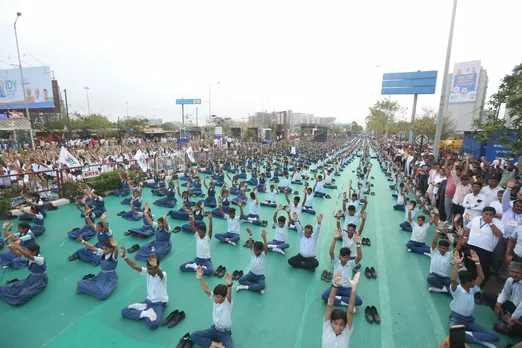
290 313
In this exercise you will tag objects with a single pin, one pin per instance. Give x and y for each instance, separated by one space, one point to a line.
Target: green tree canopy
507 129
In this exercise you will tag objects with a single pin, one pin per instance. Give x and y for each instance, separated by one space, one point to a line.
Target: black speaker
267 134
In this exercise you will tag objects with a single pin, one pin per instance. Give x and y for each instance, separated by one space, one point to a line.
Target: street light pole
18 14
88 103
442 103
127 104
210 101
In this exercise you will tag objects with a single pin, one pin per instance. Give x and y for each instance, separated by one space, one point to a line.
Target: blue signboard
188 101
419 82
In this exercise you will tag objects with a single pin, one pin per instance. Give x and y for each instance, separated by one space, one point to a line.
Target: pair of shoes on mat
370 273
220 271
133 248
176 229
327 275
185 342
236 275
173 319
371 314
73 257
366 241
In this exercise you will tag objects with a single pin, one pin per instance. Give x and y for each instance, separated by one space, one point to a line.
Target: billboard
465 82
405 83
38 87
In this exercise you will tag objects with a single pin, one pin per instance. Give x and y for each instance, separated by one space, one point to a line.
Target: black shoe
239 275
376 317
169 318
363 241
176 319
368 313
73 257
368 273
216 272
246 244
222 272
368 242
234 274
185 342
329 276
323 275
133 248
373 273
176 229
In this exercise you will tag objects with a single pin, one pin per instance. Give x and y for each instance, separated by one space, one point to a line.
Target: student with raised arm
337 324
307 245
219 335
348 234
161 245
419 233
346 265
151 310
441 257
202 247
232 235
279 244
255 279
463 302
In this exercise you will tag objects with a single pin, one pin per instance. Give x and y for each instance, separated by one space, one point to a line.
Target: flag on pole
68 159
190 154
141 160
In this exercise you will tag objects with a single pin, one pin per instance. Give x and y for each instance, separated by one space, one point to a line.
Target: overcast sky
306 56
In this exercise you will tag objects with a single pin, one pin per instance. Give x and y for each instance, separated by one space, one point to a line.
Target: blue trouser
209 270
399 207
254 282
233 237
406 226
479 333
257 220
279 244
418 247
134 314
204 338
319 194
344 293
438 281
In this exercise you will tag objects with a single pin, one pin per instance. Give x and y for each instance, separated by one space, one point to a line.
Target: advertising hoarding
38 88
464 83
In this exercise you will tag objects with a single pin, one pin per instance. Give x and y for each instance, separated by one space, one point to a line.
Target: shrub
72 189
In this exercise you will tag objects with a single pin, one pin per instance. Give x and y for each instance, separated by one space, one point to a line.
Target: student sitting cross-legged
346 265
219 335
151 310
232 235
463 302
420 231
348 235
307 245
255 279
279 244
439 278
337 324
202 247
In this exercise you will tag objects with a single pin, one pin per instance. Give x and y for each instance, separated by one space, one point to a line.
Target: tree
94 124
381 112
171 126
508 130
356 128
426 123
136 123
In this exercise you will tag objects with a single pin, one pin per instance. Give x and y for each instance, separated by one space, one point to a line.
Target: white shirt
480 234
490 194
253 206
331 340
463 302
512 292
474 205
497 205
233 224
319 187
414 213
517 234
156 287
440 263
202 247
419 233
221 313
307 245
309 200
349 243
297 210
351 219
346 270
257 263
272 196
281 233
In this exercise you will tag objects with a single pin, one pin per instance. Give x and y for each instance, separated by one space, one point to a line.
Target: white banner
141 160
68 159
465 80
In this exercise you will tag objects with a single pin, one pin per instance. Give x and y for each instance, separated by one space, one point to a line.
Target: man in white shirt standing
482 234
307 245
474 202
490 192
151 310
219 335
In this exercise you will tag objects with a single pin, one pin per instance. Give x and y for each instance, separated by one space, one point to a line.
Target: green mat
290 313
